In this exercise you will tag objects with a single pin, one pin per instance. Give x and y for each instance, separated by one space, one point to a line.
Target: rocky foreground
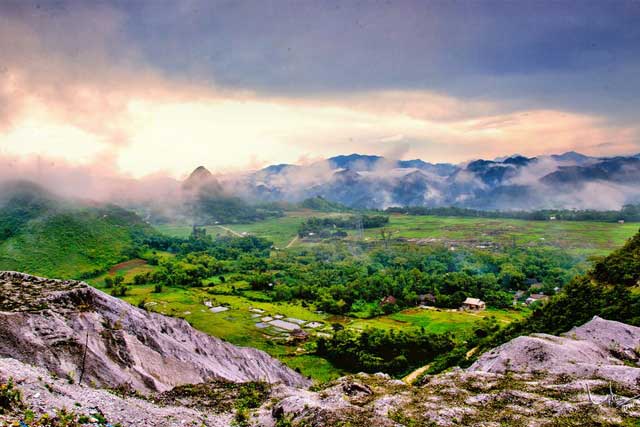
144 369
74 330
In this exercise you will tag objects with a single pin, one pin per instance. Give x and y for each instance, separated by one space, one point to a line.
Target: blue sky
435 76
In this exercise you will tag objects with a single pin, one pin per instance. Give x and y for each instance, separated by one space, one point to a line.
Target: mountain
73 329
44 234
356 162
558 181
572 157
197 178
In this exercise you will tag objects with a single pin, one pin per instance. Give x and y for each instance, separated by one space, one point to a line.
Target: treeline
627 213
199 241
328 226
213 208
385 280
378 350
198 258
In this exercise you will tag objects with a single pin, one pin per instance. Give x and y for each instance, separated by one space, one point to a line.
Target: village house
475 304
533 298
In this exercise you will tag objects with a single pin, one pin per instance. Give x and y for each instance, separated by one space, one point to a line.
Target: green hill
44 235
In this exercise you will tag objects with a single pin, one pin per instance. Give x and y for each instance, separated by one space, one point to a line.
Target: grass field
577 237
436 320
281 231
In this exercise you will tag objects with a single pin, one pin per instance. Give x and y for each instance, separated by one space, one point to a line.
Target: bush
119 290
10 397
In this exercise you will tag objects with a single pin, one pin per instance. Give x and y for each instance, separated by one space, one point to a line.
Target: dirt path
235 233
413 376
295 239
127 264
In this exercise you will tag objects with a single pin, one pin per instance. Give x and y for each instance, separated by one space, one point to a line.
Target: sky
159 87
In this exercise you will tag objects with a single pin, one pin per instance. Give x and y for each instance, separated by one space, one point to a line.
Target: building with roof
474 304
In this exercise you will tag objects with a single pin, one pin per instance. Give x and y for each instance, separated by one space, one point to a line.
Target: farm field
576 237
281 231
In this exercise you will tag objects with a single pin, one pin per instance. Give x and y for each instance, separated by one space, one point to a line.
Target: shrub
10 397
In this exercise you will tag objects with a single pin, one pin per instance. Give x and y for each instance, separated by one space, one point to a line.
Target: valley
407 277
328 292
578 237
237 324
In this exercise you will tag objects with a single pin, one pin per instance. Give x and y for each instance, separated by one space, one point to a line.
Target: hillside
43 234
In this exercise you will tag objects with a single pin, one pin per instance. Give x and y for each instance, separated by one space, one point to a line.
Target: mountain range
568 180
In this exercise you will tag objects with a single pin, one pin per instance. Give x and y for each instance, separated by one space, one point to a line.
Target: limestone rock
47 322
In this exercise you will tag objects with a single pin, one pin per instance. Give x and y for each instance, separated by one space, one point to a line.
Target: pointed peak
199 176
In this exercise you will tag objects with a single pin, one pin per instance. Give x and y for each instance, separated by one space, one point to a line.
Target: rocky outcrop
43 393
588 376
456 398
598 349
74 330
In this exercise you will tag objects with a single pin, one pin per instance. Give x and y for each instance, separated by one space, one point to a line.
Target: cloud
92 93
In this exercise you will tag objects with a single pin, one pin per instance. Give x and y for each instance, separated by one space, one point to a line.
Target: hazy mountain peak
571 156
354 161
199 176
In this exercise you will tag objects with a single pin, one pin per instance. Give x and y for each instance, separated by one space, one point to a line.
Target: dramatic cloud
161 88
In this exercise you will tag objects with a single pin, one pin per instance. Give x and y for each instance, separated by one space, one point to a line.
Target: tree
108 282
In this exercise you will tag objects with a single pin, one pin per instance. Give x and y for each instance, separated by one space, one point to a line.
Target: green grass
436 321
67 244
281 231
577 237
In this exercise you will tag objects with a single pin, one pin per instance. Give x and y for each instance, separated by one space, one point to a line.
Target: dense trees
377 350
340 283
338 280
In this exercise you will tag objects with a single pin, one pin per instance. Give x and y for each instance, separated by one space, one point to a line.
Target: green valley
310 288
